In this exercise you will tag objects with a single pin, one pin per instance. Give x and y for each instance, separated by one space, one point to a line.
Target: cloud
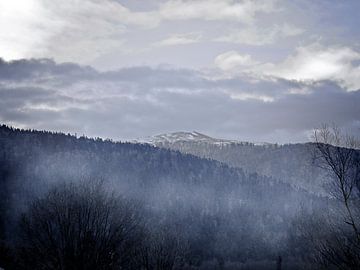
259 36
134 102
22 28
83 31
308 64
179 39
231 60
316 62
231 10
69 30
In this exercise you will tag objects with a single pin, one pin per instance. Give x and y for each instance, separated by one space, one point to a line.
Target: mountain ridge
194 136
290 163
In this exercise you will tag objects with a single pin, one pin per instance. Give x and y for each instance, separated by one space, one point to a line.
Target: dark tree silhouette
79 227
278 263
164 249
337 153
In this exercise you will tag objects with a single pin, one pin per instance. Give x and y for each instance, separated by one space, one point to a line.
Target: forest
69 202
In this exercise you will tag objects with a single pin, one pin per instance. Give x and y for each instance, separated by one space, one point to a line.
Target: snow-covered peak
169 138
184 137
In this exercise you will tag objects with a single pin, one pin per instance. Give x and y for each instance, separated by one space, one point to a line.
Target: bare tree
338 154
79 227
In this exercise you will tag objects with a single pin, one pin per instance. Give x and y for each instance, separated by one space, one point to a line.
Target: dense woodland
162 209
290 163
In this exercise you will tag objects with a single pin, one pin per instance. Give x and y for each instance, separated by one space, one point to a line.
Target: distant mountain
290 163
195 137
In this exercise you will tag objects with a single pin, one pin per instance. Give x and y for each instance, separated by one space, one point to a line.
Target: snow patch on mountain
196 137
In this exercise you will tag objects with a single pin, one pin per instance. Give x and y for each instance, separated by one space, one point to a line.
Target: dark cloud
42 70
141 101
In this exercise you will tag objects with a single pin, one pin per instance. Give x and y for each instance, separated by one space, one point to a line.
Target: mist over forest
183 211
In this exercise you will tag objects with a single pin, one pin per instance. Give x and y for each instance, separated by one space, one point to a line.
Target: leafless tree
79 227
338 153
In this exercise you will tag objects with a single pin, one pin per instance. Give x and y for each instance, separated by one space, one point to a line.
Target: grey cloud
42 70
140 101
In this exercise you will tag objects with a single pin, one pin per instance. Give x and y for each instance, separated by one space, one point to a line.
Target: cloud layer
135 102
309 63
248 69
260 36
84 31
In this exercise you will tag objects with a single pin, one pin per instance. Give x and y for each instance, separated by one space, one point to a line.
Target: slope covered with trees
218 215
290 163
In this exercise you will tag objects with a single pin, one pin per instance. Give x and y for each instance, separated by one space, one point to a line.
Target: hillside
290 163
230 212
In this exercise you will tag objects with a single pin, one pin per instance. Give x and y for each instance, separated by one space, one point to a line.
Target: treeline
81 226
290 163
197 213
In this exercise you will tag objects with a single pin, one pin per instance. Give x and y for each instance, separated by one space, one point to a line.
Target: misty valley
174 201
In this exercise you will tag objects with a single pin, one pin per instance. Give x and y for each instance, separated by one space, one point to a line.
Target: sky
261 70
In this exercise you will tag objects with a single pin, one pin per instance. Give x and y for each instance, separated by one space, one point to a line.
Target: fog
220 216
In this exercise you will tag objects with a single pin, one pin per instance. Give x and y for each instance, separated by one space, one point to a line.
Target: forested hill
60 155
290 163
33 160
257 207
